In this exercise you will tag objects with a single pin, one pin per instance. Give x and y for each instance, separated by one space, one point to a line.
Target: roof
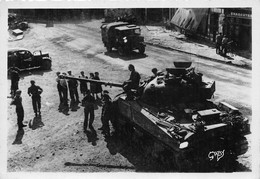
116 24
127 27
17 49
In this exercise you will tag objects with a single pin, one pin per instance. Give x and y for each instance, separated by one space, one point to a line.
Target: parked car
25 60
123 36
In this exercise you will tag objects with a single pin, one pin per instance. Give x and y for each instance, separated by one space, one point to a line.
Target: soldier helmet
32 82
58 73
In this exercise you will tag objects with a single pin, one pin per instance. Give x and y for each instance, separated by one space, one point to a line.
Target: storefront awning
189 19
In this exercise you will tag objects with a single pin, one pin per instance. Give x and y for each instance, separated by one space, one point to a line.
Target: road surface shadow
25 73
64 109
74 106
133 55
141 160
36 123
92 135
19 137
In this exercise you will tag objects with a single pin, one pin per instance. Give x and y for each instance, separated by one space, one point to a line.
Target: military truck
122 36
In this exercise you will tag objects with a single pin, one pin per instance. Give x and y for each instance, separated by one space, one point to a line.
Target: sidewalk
160 37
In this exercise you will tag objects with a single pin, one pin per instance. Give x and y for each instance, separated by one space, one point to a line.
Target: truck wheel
141 49
109 48
46 65
120 51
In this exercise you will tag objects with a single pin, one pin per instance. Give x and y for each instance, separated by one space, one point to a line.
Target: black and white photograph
122 90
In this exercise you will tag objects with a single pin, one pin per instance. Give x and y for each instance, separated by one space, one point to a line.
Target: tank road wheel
141 49
46 65
120 51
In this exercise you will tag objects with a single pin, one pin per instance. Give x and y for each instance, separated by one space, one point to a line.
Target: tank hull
214 149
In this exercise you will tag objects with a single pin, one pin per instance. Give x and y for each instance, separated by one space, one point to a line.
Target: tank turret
180 84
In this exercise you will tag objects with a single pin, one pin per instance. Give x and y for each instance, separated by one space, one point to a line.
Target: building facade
235 23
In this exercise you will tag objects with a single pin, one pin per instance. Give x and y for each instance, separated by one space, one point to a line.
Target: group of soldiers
221 44
34 92
90 95
71 85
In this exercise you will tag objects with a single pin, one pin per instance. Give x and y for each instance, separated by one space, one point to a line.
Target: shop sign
241 15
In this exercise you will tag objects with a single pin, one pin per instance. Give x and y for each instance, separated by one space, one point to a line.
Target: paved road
233 84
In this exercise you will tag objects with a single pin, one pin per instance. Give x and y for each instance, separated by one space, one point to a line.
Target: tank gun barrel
93 81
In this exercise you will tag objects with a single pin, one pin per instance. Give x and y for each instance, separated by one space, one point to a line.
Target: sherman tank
174 113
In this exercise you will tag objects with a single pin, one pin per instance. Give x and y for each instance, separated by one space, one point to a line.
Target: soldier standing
88 102
73 88
14 74
218 42
106 112
64 90
98 88
35 92
92 85
224 45
83 84
59 87
17 101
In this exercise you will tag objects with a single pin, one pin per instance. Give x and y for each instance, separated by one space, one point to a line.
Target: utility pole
170 12
145 15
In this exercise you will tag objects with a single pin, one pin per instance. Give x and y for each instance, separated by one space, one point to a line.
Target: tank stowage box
210 116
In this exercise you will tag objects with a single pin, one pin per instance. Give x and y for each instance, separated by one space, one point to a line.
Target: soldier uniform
106 112
35 92
64 90
92 85
224 45
88 102
14 74
83 84
17 101
98 87
218 42
73 85
59 87
134 80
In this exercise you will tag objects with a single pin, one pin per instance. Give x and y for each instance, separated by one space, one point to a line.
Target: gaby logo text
217 154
